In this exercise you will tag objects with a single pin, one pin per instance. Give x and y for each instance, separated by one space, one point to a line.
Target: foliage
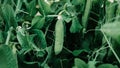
59 34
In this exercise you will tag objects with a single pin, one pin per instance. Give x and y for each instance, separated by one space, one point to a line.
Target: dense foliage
59 34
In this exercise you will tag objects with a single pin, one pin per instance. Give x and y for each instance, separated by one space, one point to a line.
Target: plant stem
19 4
67 50
8 36
52 15
109 44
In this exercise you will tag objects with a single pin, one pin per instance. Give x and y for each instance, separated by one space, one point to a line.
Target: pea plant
59 34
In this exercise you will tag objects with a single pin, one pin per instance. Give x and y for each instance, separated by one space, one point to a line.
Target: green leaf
7 58
44 7
76 26
77 2
38 22
91 64
1 37
46 66
107 66
77 52
40 53
39 39
32 7
70 9
8 16
78 63
24 39
66 17
112 30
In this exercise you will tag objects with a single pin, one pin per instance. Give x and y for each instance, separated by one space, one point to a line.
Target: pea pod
59 36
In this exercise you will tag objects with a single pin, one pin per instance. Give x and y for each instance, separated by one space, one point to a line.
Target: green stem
67 50
8 36
110 46
19 4
52 16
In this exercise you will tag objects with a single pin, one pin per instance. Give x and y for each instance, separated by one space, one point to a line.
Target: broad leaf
22 38
8 16
25 39
107 66
78 63
32 7
66 17
40 40
44 7
112 30
7 58
91 64
38 22
76 26
77 2
77 52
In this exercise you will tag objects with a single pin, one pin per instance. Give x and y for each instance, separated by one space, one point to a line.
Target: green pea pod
59 36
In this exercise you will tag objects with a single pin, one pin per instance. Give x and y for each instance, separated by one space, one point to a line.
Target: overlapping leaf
8 16
7 58
44 7
78 63
76 26
40 40
38 22
112 30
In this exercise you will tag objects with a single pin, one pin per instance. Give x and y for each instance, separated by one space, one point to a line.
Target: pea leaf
107 66
77 52
77 2
25 39
78 63
112 30
32 7
1 37
44 7
7 58
91 64
76 26
66 17
8 16
40 40
22 38
38 22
